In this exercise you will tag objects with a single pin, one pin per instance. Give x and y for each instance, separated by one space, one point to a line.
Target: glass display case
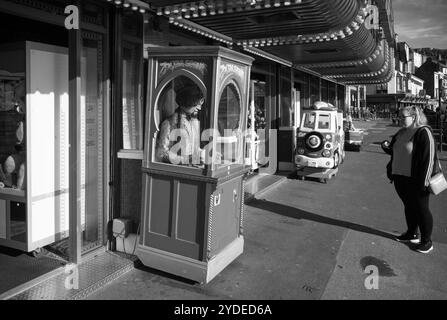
194 164
33 145
12 156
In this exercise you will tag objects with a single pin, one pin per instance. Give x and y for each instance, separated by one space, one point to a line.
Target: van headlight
327 154
328 137
301 134
301 151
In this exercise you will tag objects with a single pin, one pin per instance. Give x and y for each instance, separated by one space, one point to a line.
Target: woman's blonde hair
420 119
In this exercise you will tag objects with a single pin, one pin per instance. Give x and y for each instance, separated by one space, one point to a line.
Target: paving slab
308 240
285 257
404 274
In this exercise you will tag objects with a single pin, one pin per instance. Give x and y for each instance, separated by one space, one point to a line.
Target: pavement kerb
342 243
251 197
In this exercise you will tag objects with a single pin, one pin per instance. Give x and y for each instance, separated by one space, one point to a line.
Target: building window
382 88
400 85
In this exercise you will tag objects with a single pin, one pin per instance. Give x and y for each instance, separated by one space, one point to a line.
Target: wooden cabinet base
200 271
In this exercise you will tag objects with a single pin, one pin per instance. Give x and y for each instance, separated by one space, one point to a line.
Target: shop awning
384 98
414 100
331 38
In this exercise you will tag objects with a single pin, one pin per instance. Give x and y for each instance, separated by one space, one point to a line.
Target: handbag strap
436 151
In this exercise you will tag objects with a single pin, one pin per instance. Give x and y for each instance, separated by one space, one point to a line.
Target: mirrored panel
229 126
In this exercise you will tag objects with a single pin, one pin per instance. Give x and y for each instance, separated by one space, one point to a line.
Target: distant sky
421 23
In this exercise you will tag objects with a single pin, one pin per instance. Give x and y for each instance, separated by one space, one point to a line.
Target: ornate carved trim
210 243
169 66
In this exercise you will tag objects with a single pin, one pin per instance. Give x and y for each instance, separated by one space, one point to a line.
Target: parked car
320 138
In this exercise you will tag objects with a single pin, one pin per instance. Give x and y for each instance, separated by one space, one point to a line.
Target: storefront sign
179 64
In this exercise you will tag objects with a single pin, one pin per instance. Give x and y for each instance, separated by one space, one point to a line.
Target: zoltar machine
193 168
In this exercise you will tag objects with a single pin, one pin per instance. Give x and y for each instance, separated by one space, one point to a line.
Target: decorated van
320 138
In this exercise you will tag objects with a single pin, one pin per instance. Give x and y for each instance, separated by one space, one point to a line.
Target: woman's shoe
424 247
408 238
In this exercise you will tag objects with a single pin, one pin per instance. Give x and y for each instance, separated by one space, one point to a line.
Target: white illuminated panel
46 224
47 126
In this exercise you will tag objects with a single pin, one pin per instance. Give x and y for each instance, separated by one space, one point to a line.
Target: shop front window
324 90
260 116
228 126
132 110
287 112
258 122
332 93
132 79
12 156
341 95
178 115
12 128
314 89
302 85
91 140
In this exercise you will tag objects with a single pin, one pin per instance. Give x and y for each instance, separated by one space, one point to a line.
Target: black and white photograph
223 155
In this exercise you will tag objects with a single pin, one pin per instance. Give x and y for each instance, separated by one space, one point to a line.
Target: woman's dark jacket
424 163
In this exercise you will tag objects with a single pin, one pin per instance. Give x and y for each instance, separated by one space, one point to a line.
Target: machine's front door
225 215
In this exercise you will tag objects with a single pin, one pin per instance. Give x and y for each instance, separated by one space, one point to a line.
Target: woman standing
413 157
